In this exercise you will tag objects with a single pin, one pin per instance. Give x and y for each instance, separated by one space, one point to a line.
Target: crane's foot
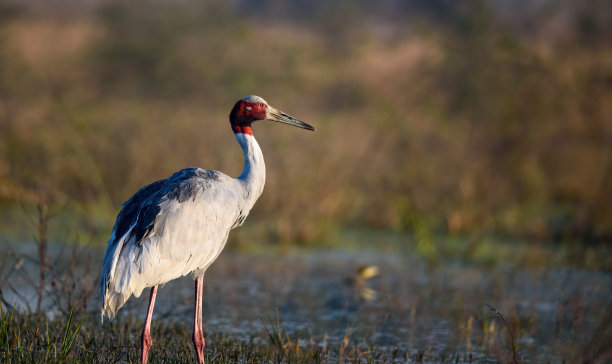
198 344
145 345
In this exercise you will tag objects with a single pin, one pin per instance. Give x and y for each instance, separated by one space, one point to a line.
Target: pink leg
145 340
198 337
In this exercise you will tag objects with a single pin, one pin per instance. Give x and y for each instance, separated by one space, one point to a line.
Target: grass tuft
5 326
69 336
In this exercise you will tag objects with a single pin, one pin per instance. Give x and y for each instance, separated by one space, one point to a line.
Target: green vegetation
488 336
89 343
23 341
22 338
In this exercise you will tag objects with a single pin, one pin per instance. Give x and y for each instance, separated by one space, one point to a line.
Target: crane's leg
145 340
198 337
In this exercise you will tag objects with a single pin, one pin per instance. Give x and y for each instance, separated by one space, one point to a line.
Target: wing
153 238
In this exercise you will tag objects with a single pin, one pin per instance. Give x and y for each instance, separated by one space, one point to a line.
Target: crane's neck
254 172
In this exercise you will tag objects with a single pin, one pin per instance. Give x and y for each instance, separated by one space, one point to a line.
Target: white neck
254 171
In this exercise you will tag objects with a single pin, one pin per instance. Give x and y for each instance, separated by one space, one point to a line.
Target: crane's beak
279 116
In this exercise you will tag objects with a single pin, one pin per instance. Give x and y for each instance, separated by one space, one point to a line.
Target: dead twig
43 220
514 359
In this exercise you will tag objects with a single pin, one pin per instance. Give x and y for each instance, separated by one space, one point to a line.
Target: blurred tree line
441 116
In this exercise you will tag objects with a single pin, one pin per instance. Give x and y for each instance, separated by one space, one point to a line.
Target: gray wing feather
144 206
139 219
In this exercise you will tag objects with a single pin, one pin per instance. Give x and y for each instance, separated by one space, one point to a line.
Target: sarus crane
179 225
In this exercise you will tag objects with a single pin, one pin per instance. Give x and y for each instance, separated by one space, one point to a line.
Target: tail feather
112 300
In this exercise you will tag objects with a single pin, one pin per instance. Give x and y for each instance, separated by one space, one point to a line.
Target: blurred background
434 118
462 158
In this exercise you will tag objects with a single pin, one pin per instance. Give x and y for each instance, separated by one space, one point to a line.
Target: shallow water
320 297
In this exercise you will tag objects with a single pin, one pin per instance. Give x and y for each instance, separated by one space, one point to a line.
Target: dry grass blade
275 333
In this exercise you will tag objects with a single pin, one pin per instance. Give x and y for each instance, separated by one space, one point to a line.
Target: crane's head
254 108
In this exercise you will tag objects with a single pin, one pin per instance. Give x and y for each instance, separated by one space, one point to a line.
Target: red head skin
244 113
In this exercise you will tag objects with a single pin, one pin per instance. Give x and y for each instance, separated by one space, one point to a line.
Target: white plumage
187 236
179 225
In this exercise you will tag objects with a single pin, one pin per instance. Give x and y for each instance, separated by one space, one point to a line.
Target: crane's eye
261 105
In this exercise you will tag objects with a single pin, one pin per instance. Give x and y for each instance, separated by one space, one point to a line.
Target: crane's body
179 225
